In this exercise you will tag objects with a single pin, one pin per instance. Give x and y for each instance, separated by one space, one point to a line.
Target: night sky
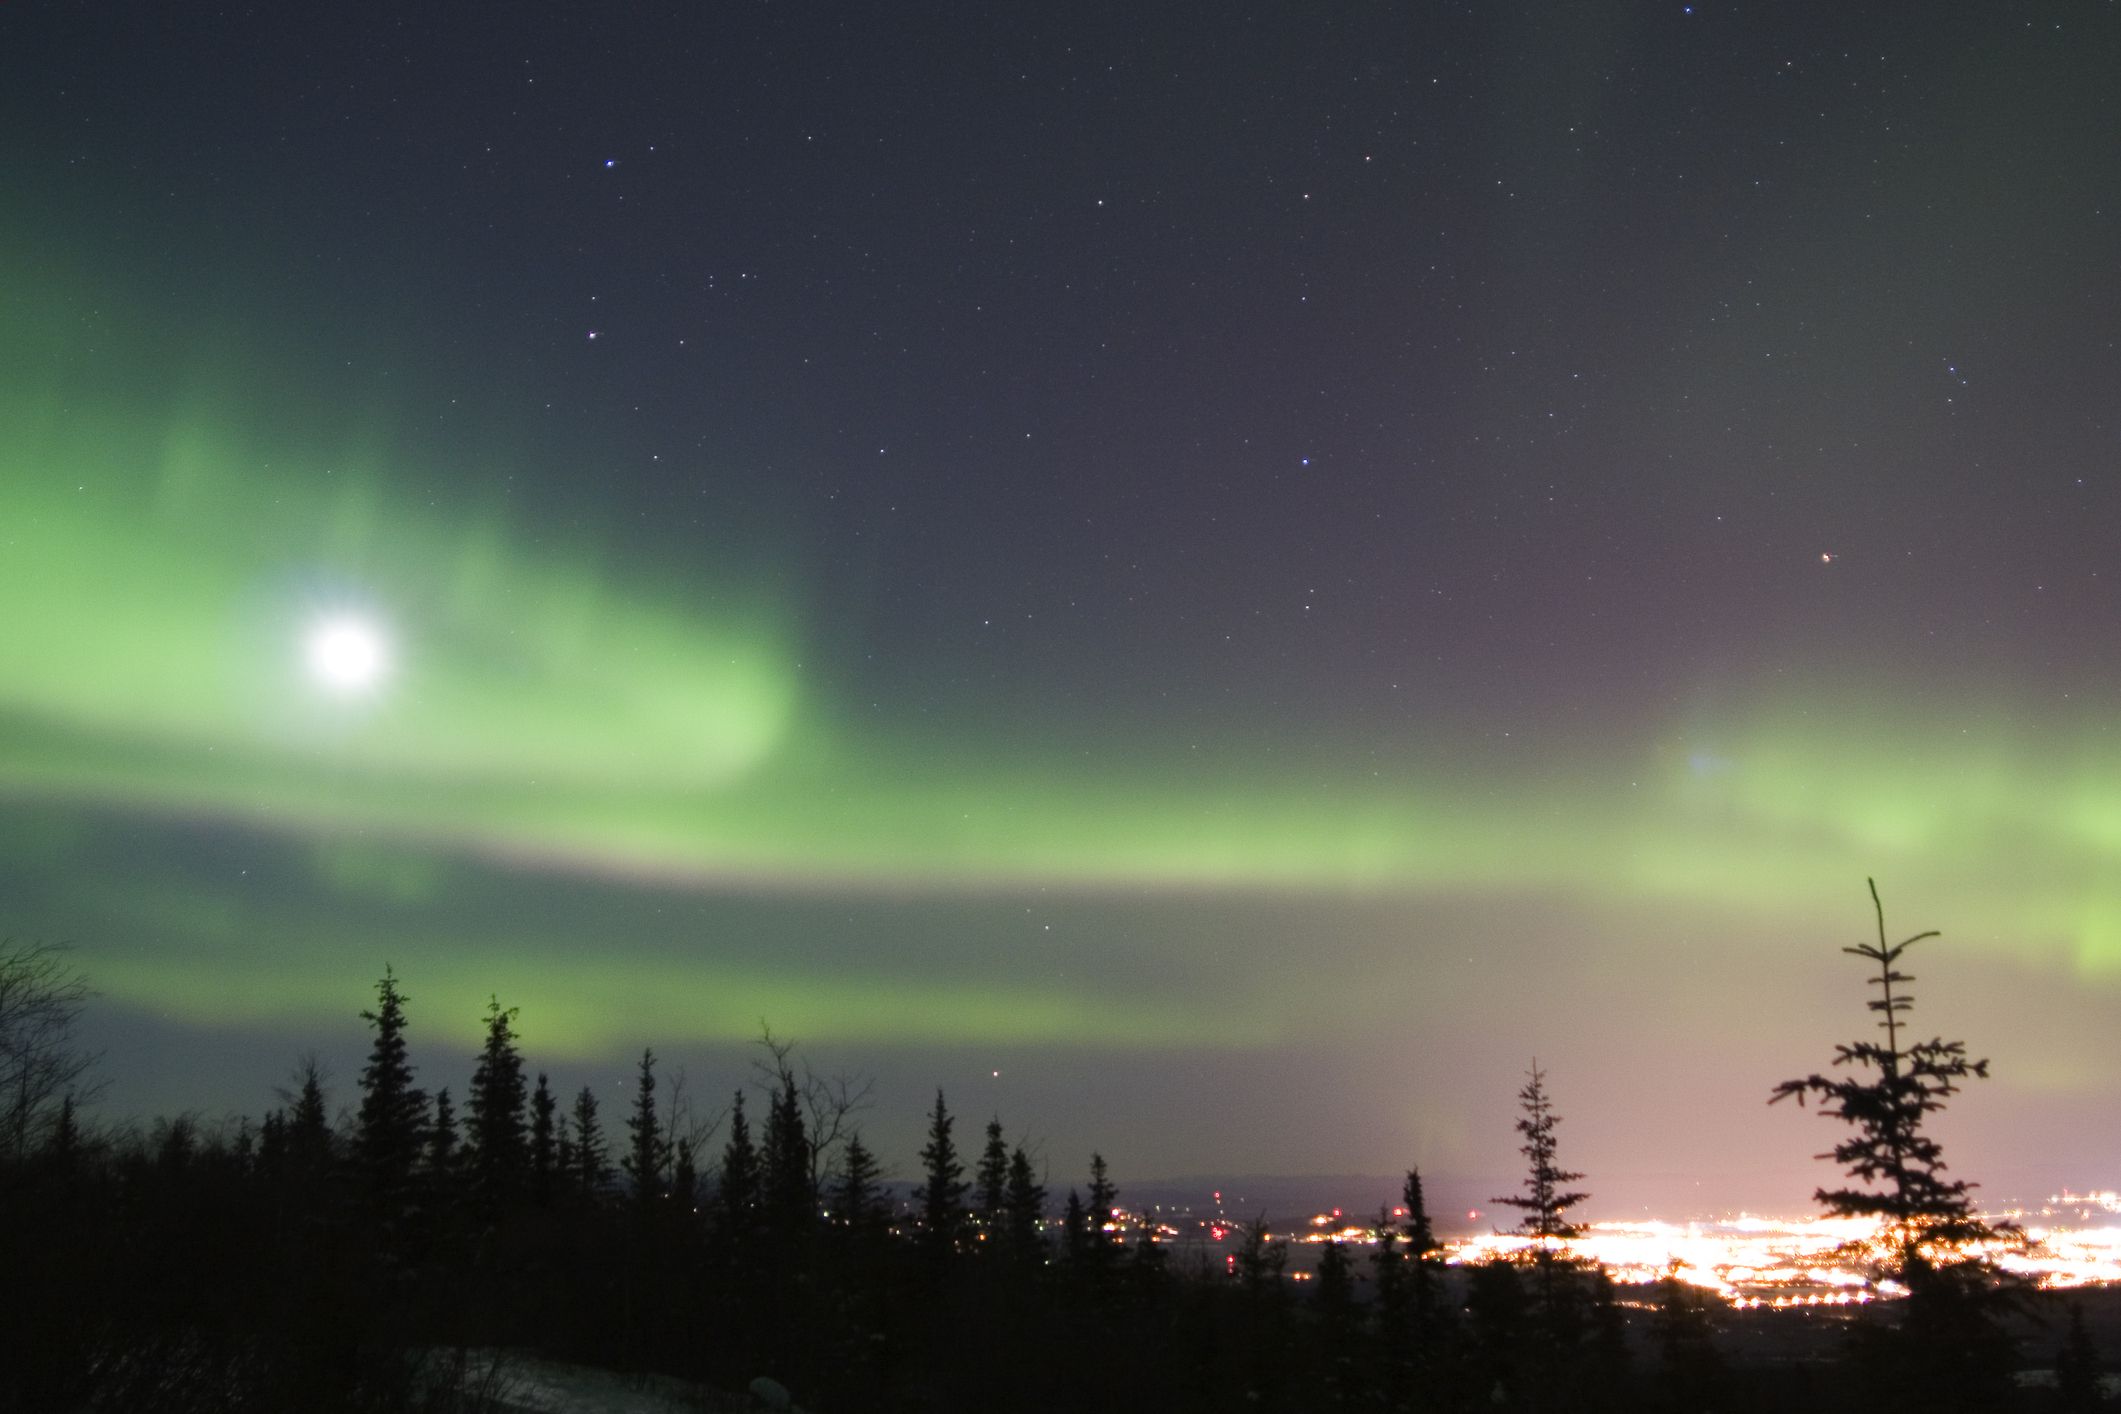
1247 568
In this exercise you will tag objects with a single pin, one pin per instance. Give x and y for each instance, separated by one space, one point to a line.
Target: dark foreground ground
1773 1360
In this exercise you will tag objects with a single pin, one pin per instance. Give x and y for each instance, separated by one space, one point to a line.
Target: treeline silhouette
292 1262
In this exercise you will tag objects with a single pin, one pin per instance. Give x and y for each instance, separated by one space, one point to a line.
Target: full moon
347 654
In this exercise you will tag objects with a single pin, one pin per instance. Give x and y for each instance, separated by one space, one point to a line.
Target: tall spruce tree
1102 1233
1023 1207
857 1196
790 1204
1897 1167
737 1196
738 1200
544 1140
1546 1200
590 1171
1391 1301
684 1179
993 1181
1951 1349
392 1118
498 1163
1075 1231
941 1196
443 1160
1558 1291
647 1151
306 1137
1425 1278
1260 1261
442 1133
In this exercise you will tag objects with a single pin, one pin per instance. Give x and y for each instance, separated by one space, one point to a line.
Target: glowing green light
177 575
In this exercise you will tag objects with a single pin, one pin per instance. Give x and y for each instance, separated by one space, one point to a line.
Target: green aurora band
556 712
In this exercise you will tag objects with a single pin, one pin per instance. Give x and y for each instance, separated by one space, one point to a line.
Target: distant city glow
2072 1240
348 653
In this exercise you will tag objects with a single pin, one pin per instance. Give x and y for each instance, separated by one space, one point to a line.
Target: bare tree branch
42 995
830 1102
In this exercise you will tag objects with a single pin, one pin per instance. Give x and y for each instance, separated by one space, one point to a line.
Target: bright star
347 653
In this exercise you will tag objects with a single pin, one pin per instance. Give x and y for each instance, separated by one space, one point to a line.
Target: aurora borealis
1246 578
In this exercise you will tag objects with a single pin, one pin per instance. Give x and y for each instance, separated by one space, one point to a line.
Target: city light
1747 1260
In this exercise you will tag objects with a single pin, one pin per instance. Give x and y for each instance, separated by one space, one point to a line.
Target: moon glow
347 654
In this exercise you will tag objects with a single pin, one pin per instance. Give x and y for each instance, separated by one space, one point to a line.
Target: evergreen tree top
1545 1201
941 1196
1886 1097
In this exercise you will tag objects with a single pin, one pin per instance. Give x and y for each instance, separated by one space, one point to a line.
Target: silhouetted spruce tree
589 1173
1557 1292
1264 1334
1102 1233
296 1150
176 1143
992 1179
1075 1232
307 1135
1923 1213
1409 1302
684 1179
1427 1310
443 1175
1259 1261
941 1196
442 1142
1392 1305
1546 1199
1545 1202
498 1163
272 1145
857 1197
790 1203
1023 1205
737 1196
544 1142
647 1152
1951 1349
392 1119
